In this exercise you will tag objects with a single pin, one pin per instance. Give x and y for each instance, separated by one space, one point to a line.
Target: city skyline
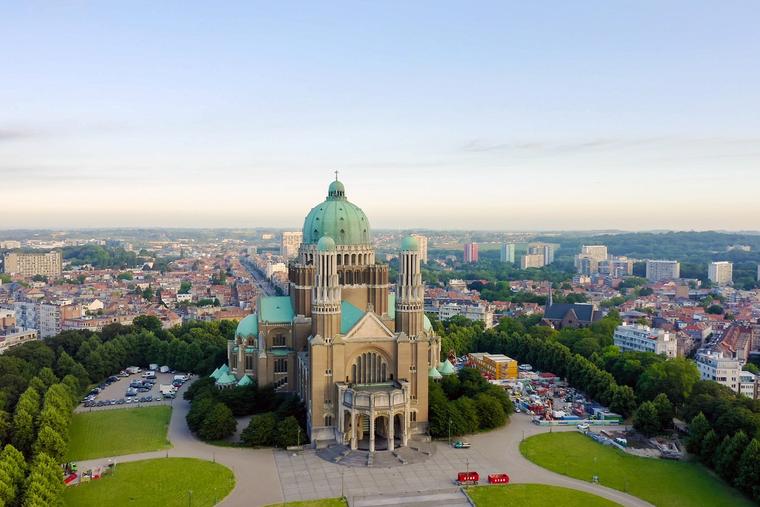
510 117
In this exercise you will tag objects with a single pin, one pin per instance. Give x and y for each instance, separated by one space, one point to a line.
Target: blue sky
475 115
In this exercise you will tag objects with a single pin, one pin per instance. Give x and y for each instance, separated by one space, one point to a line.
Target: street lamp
449 430
189 498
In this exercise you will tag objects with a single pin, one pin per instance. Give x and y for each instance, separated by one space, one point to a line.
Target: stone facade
357 353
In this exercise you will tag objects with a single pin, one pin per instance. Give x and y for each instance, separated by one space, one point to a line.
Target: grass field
105 433
660 482
325 502
161 482
534 495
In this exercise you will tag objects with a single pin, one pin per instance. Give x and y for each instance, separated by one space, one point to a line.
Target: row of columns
391 437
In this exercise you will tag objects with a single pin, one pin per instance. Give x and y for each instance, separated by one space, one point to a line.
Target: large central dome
337 218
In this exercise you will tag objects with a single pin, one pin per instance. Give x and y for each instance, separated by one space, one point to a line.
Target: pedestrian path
444 498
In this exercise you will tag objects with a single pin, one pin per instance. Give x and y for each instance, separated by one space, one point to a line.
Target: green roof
392 305
337 218
249 326
276 309
434 374
245 381
446 368
280 352
226 379
326 244
426 323
216 374
349 316
410 243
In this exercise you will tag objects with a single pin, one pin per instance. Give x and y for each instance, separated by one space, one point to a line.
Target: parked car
459 444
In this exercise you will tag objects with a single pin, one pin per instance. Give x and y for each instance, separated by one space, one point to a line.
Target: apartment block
470 252
289 243
422 241
720 272
507 252
663 270
638 338
48 264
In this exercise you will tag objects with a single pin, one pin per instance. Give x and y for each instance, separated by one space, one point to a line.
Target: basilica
357 349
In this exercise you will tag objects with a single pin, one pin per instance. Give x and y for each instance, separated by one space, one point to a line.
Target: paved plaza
266 476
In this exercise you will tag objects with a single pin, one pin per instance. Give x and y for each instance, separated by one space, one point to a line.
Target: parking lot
114 394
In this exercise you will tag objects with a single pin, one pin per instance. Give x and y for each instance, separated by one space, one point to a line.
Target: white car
583 427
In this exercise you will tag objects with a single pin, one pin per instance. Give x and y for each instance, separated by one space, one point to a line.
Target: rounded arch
370 366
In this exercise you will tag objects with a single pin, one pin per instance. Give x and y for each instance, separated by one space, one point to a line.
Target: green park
162 481
106 433
660 482
534 495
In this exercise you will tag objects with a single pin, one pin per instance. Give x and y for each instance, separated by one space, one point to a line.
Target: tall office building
471 252
290 243
422 241
720 272
507 252
663 270
48 264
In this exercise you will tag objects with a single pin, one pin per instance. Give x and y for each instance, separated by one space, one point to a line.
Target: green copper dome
337 218
326 244
249 326
409 243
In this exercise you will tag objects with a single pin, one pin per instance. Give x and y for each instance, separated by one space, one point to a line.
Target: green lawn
661 482
161 482
325 502
105 433
534 495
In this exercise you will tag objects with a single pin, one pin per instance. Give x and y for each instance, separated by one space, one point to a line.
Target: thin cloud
12 134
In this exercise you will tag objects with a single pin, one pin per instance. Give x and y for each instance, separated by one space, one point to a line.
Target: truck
133 369
165 389
164 369
153 366
498 479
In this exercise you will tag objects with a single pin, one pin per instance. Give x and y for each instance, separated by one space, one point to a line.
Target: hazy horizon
444 116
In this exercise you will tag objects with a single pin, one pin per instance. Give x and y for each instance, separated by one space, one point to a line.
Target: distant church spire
336 175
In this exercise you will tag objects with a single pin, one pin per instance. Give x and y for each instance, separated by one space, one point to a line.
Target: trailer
498 479
468 478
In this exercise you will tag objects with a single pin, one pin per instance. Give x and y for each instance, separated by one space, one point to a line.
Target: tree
184 287
646 420
698 428
664 411
148 322
728 454
715 309
289 433
709 446
490 412
199 409
51 443
12 472
623 401
44 485
260 431
675 378
218 424
748 479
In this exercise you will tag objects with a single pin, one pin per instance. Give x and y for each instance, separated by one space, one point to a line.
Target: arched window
369 368
328 420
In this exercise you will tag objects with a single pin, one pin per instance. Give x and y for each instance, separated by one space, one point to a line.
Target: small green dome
249 326
410 243
338 218
326 244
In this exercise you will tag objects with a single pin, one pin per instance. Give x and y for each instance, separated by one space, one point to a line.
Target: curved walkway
266 476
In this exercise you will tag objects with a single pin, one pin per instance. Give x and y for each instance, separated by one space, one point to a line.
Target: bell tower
410 293
326 294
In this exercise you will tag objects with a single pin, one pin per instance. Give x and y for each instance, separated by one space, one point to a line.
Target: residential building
663 270
532 260
720 272
479 312
27 264
494 366
544 249
507 252
470 252
457 284
46 319
723 370
638 338
289 243
587 262
11 334
423 242
616 267
357 355
749 384
9 244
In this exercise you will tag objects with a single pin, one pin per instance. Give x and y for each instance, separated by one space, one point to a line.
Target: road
263 285
266 476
